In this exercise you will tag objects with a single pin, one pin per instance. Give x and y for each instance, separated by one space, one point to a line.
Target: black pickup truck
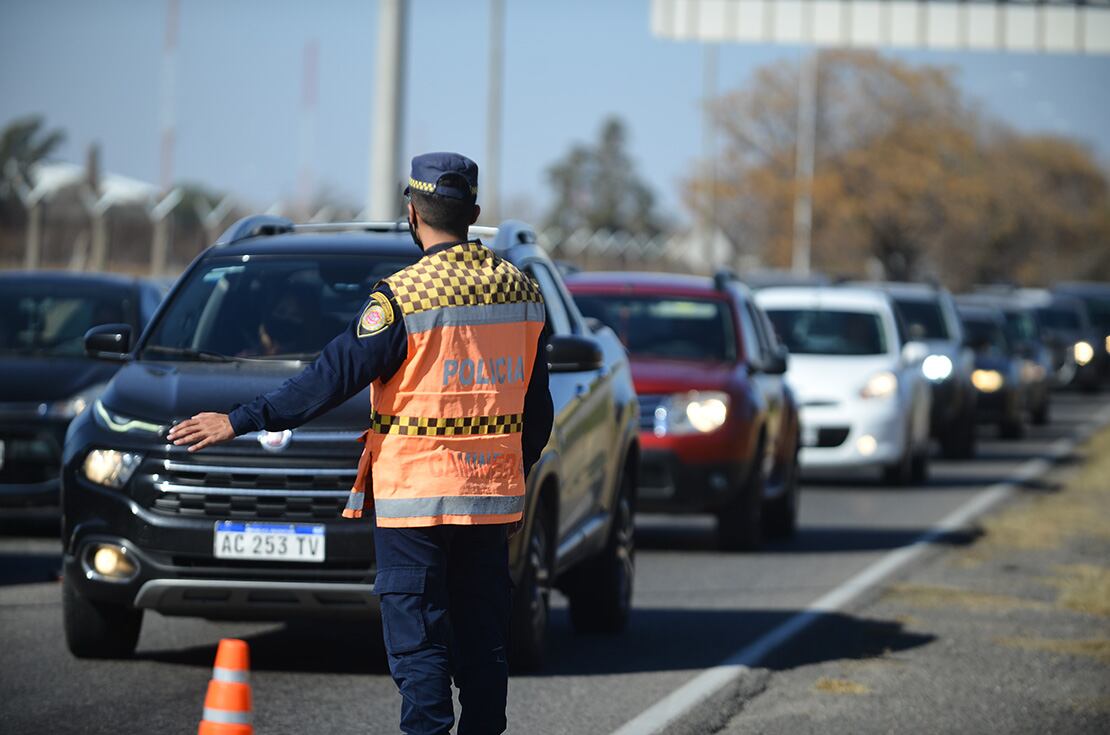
251 529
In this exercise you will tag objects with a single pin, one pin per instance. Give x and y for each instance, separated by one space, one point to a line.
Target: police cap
429 170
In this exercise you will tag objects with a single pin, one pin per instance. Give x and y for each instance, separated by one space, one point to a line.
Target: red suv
718 424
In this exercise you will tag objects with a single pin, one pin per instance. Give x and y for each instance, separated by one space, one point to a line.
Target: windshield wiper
190 353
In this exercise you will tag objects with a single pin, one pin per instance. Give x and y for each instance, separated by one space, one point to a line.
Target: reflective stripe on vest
445 433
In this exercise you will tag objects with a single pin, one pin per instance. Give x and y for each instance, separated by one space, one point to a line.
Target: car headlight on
1107 344
691 413
987 381
110 467
880 385
115 422
936 367
1083 352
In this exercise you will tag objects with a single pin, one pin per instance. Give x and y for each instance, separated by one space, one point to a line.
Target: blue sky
93 68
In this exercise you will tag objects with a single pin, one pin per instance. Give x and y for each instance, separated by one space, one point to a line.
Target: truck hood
43 379
830 378
657 376
164 392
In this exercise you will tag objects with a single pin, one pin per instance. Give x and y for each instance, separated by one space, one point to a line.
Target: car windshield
829 332
923 318
1020 327
657 326
1059 317
44 319
985 335
1099 309
265 307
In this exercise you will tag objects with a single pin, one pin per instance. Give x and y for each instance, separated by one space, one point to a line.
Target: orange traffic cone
227 706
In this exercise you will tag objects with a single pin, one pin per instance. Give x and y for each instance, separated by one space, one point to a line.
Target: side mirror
572 353
777 362
593 323
108 341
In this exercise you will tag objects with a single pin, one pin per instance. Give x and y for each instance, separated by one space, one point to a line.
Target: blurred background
965 142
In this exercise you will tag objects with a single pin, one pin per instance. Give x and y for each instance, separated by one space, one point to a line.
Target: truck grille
247 491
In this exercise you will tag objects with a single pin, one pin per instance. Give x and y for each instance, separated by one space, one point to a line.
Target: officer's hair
446 214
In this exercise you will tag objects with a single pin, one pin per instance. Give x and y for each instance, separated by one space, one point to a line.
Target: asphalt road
694 606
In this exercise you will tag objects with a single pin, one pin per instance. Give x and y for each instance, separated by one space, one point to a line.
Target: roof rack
723 277
510 232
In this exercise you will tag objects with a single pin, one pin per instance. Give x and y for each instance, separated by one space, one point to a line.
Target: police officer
452 348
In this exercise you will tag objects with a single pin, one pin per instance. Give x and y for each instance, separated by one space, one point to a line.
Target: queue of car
672 394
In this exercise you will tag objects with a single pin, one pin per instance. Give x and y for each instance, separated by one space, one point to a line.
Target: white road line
687 697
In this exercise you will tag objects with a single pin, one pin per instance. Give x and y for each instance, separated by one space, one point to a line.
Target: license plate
274 541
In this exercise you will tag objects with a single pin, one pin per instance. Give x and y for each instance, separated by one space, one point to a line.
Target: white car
864 401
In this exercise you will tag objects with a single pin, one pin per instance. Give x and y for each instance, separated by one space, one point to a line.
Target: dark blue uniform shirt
349 363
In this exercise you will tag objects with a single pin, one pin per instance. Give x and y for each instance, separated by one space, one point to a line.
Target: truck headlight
115 422
1107 345
880 385
1083 352
110 467
936 367
690 413
987 381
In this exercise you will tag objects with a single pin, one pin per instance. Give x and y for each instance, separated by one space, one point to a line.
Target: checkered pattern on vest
469 274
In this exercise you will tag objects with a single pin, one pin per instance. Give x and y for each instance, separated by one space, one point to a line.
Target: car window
1020 327
41 320
677 328
558 317
985 335
923 318
268 307
830 332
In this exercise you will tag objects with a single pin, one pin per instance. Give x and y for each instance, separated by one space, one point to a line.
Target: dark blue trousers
445 598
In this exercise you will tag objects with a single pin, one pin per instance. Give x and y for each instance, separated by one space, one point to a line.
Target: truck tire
98 629
1040 414
600 592
740 522
532 597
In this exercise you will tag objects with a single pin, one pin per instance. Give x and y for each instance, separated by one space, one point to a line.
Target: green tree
597 187
23 143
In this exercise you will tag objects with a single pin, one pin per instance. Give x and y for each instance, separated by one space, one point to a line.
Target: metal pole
709 152
804 163
491 177
388 109
168 87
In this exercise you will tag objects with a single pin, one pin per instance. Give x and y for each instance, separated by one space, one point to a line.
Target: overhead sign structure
1049 26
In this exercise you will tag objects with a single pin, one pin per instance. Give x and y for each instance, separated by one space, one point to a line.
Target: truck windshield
829 332
40 320
673 328
266 307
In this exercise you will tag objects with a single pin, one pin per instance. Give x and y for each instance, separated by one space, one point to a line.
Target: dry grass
1096 648
935 596
1081 509
1084 588
829 685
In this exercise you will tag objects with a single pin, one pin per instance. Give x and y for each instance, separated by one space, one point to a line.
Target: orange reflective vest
444 442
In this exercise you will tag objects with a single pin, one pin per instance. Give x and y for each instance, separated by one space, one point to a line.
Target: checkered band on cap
464 275
457 426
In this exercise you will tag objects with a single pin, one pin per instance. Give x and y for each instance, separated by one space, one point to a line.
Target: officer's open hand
201 431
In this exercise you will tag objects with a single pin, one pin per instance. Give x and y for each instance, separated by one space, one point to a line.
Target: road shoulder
1007 631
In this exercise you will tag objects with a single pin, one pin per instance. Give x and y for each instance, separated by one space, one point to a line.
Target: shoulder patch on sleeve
377 315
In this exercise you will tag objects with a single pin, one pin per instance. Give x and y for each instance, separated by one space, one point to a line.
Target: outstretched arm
373 346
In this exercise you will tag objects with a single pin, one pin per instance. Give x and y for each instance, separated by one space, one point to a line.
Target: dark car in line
931 319
1024 337
1096 298
718 424
45 377
1002 397
145 521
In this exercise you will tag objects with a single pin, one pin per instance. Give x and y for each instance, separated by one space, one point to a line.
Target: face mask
415 237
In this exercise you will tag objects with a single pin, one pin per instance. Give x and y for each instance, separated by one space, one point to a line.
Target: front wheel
601 590
740 523
532 597
780 516
98 629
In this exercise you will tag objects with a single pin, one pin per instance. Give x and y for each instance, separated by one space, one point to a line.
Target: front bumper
670 485
169 531
834 437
